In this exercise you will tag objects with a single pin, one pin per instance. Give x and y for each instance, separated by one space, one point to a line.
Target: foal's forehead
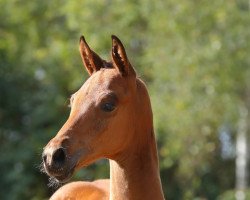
104 80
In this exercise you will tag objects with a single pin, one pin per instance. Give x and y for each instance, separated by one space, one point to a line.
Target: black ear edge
115 38
117 42
86 46
82 39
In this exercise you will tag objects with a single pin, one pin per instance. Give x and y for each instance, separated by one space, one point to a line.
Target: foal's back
80 190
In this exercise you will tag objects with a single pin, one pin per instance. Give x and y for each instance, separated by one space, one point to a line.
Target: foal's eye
108 107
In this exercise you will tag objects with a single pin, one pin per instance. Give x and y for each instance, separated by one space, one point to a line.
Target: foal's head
102 118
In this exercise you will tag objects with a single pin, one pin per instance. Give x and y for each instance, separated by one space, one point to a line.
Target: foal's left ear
120 59
90 59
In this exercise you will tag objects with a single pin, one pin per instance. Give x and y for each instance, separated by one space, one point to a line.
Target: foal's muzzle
57 164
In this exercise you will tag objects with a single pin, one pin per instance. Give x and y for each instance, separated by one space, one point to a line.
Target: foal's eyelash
69 103
71 99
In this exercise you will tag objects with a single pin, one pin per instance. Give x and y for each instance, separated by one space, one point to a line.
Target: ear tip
115 38
82 39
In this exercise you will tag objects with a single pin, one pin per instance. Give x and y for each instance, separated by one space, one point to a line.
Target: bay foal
111 118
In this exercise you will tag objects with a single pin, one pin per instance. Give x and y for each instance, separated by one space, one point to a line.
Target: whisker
53 183
41 168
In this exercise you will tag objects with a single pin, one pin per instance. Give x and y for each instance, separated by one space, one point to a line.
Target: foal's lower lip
62 179
65 177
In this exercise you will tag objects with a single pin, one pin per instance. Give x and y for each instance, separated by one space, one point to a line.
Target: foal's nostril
59 157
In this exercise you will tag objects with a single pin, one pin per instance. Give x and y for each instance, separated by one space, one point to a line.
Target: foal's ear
90 59
120 59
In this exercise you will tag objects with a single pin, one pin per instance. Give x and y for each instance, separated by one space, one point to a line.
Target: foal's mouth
63 178
61 175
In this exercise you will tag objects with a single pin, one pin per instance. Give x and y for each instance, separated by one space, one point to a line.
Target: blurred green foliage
231 195
193 55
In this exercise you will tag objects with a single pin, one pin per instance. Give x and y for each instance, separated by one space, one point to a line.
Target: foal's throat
136 175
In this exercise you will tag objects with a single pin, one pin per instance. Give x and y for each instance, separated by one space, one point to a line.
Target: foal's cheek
100 126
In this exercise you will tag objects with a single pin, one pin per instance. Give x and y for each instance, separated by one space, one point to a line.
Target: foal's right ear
90 59
120 58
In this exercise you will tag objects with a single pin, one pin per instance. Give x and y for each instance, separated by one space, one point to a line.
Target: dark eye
108 107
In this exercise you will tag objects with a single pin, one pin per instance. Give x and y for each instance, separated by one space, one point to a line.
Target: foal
111 118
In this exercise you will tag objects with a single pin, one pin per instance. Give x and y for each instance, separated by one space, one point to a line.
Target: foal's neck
134 174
